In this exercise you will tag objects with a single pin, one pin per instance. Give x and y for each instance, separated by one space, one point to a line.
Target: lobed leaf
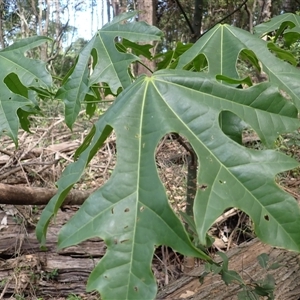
109 65
222 46
14 93
131 213
281 22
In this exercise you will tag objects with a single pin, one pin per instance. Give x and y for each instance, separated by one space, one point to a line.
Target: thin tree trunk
23 21
147 13
108 5
2 43
57 24
43 27
265 10
250 11
197 20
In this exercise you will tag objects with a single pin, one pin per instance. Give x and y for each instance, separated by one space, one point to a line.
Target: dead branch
21 195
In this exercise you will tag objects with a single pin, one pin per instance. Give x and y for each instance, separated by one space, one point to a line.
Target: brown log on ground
21 195
52 274
26 269
243 259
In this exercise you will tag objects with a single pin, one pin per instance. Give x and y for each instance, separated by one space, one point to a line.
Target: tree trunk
108 6
2 43
265 10
250 11
147 13
118 7
197 20
23 21
43 27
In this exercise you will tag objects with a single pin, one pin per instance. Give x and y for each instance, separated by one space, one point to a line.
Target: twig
6 152
226 215
5 288
185 17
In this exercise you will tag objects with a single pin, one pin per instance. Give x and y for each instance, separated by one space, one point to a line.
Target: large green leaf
131 211
14 93
287 25
281 23
109 64
222 46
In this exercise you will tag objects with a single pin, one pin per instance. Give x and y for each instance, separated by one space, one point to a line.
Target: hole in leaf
232 226
285 94
177 168
203 187
112 210
266 217
135 288
125 227
126 210
102 165
251 139
249 65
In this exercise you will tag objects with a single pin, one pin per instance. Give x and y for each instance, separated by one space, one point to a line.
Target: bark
49 273
20 195
108 6
2 43
265 10
250 12
23 21
57 25
43 26
119 7
197 20
243 259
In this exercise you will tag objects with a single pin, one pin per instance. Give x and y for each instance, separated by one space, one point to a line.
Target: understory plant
197 93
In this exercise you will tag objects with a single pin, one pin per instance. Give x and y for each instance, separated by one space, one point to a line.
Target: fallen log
243 259
26 269
22 195
52 274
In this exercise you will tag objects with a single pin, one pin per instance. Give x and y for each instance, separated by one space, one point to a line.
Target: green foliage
130 212
286 24
222 57
253 290
109 64
16 101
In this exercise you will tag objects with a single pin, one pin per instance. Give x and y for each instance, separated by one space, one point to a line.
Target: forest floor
43 154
